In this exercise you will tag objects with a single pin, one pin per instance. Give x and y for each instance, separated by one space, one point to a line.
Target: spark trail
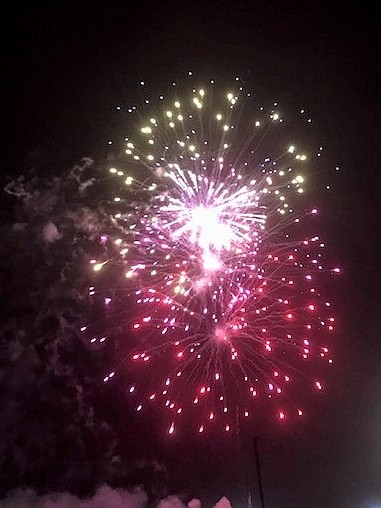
219 252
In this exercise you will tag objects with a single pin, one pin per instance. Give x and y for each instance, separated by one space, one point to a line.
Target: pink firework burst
217 250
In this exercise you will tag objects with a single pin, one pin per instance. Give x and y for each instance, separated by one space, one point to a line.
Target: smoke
50 233
104 497
195 503
223 503
171 502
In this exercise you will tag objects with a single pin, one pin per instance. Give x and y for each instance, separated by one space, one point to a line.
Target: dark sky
65 67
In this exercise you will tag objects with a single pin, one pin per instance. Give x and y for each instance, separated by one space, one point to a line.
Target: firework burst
218 251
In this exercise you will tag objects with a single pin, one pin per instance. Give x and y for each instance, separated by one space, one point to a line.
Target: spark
210 240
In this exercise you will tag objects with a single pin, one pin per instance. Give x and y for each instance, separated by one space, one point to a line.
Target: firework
217 249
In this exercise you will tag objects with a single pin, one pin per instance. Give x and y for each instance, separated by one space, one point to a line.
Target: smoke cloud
104 497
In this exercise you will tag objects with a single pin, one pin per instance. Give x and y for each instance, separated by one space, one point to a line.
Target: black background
64 68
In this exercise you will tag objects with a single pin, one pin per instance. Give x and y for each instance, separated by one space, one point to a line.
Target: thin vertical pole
255 441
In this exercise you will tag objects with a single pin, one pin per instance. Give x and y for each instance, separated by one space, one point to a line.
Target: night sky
65 68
